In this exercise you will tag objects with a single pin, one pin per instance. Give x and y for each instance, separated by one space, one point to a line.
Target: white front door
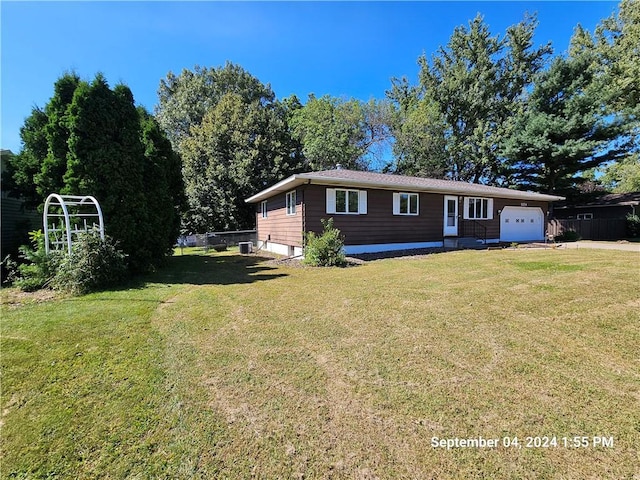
450 216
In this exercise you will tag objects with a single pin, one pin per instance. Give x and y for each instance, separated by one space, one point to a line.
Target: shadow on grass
214 270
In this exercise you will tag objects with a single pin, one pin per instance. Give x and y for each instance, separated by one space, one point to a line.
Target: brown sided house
379 212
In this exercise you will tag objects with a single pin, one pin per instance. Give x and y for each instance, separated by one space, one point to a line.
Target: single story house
611 205
380 212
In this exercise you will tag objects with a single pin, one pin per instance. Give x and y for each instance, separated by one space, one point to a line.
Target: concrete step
463 242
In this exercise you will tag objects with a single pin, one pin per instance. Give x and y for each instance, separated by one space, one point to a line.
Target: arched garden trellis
66 216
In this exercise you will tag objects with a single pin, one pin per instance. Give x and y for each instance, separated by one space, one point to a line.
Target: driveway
628 246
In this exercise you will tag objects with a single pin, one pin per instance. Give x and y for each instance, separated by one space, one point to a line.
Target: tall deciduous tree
239 148
234 139
91 140
622 176
347 132
466 93
184 99
617 46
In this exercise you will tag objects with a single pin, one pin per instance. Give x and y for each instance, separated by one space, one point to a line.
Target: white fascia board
283 186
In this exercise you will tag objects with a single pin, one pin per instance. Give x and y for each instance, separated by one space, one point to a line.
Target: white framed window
291 203
476 208
347 202
263 208
585 216
405 203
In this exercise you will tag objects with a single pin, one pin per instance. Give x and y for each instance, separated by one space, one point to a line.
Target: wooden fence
595 229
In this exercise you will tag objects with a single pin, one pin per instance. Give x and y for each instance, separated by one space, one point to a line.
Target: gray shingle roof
352 178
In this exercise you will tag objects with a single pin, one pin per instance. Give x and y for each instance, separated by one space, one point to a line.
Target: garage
521 224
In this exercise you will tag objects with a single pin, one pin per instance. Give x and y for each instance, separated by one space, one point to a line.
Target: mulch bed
360 259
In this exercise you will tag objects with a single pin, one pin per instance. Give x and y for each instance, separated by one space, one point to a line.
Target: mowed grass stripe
223 366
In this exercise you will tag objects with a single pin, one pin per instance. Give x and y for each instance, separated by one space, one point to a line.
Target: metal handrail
475 225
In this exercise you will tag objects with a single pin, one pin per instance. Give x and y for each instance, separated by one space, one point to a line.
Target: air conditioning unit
245 247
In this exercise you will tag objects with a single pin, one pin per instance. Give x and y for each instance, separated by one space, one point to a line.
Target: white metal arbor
65 216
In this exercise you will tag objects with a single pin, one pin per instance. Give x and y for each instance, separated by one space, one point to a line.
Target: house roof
357 179
608 200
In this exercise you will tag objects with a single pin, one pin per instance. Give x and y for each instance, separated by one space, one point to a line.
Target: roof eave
298 179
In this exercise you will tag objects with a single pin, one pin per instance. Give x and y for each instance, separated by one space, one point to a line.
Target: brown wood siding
379 225
613 211
279 227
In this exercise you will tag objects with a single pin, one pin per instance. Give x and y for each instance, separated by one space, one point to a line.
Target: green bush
38 268
93 264
568 236
326 250
633 226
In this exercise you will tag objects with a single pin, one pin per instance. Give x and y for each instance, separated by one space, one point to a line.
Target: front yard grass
229 366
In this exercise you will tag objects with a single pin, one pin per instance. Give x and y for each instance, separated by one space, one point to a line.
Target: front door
450 216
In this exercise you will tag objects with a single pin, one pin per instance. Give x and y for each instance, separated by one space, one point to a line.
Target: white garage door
521 224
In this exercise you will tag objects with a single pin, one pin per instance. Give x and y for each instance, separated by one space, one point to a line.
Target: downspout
304 217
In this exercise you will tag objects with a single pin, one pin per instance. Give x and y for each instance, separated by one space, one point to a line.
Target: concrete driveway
627 246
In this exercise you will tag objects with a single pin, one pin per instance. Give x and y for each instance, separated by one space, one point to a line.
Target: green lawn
223 366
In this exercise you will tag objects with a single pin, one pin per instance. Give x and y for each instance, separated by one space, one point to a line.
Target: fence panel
594 229
217 238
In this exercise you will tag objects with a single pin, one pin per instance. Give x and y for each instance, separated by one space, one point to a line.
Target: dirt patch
13 298
296 262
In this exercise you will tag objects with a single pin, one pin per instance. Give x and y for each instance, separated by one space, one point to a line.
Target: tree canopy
582 112
465 94
334 131
234 139
487 108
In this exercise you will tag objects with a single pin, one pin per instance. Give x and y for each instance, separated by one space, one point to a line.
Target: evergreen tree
572 122
163 186
91 140
50 177
23 168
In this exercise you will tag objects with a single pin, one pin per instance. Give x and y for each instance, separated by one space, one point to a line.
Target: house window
348 202
478 208
263 208
405 203
585 216
291 203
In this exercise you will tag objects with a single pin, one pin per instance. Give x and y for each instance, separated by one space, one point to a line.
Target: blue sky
337 48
